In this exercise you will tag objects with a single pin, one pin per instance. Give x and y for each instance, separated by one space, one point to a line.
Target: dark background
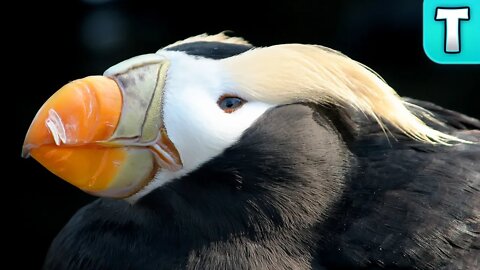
53 44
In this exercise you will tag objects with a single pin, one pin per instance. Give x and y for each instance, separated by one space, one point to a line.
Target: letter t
452 17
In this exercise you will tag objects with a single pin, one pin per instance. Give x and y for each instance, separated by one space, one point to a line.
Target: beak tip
25 152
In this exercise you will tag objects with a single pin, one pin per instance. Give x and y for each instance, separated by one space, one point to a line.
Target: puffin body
302 185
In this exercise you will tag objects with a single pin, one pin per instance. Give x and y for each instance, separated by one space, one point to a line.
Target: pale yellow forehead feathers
291 73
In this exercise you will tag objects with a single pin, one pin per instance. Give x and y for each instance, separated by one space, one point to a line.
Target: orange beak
95 135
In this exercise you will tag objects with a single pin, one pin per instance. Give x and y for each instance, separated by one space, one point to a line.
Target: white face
199 128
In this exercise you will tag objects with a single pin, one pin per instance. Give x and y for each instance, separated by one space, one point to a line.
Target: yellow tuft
290 73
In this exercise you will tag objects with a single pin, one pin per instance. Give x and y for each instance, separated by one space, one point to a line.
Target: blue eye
230 104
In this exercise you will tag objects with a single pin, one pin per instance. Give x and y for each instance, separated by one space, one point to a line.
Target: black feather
306 187
211 49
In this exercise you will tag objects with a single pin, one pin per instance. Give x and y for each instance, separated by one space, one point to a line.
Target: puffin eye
230 104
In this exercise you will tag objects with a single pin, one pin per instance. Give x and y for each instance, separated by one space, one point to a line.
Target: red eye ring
230 103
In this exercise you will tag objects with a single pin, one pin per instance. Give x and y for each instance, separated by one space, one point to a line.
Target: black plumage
306 187
209 49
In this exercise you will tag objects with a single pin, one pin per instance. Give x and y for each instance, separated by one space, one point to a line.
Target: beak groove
55 126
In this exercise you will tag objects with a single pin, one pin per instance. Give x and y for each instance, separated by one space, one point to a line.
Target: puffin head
158 117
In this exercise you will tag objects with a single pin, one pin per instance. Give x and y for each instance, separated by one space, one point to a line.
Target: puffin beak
105 134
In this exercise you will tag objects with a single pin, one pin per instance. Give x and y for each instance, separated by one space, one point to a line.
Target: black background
52 44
